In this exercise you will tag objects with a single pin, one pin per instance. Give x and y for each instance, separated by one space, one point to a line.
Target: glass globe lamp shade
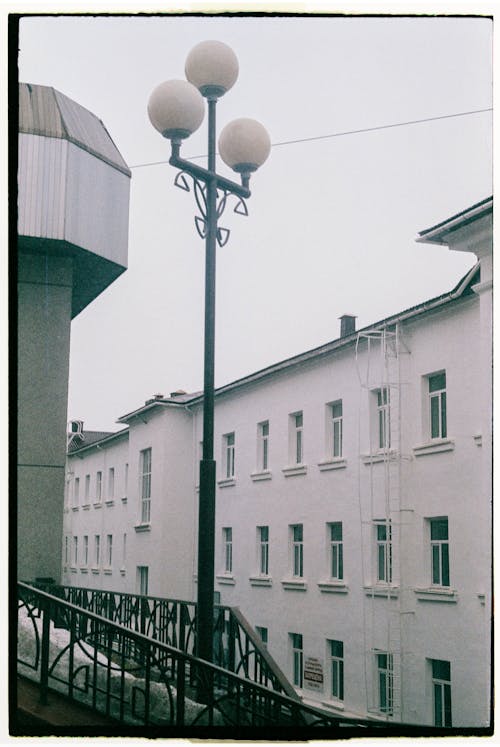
176 109
244 145
212 67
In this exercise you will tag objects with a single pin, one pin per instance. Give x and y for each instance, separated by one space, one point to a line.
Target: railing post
181 691
44 662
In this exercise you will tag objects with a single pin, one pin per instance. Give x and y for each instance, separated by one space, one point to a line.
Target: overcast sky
332 221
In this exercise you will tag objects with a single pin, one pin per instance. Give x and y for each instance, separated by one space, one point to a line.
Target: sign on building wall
313 673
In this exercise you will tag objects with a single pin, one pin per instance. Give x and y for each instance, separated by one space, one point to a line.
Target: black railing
237 647
86 657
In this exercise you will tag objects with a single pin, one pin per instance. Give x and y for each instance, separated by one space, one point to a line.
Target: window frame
142 580
385 682
440 553
383 551
75 551
383 404
109 550
229 446
87 489
97 550
98 486
263 550
336 551
85 550
297 659
336 430
263 446
336 668
437 407
111 484
145 481
76 492
227 548
297 550
442 705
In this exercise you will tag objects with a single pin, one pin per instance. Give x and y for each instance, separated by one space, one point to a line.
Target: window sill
110 502
296 469
436 594
124 500
86 507
107 571
122 571
333 587
436 446
382 590
379 456
73 569
265 474
227 482
225 578
334 463
96 570
142 527
97 505
84 569
75 508
294 584
478 439
336 705
261 580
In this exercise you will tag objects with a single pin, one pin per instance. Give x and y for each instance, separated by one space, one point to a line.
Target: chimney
347 325
178 393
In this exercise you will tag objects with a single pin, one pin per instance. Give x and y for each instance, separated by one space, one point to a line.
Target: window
76 491
98 487
262 633
296 438
336 551
109 550
227 541
75 550
97 550
384 552
441 686
85 549
229 455
336 651
336 428
297 658
111 483
385 682
66 550
87 488
142 579
124 550
383 418
297 537
437 405
263 448
126 480
263 550
145 485
440 562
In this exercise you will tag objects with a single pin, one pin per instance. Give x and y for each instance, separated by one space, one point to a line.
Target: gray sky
332 222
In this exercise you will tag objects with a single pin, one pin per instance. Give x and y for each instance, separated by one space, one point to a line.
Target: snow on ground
123 685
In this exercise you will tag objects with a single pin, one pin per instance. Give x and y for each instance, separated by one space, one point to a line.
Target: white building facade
353 519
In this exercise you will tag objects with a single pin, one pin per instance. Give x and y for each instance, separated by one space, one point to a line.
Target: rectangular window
440 561
297 537
111 483
126 481
384 552
336 428
66 550
297 658
263 550
441 686
262 633
98 487
142 580
227 539
97 550
437 405
124 550
85 550
229 454
383 418
76 491
109 550
75 550
87 488
263 436
296 438
145 485
336 551
385 682
337 669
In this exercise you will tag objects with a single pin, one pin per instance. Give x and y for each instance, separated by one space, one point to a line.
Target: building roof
94 438
439 233
49 113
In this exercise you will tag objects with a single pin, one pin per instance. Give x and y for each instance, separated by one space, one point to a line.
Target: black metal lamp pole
245 148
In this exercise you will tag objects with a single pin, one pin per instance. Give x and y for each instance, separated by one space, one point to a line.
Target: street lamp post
176 109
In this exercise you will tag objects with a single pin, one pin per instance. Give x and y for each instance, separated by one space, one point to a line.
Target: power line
341 134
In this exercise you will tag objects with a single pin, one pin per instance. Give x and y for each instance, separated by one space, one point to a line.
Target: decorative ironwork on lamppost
176 109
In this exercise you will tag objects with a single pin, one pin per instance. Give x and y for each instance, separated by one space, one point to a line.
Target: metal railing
87 657
237 647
